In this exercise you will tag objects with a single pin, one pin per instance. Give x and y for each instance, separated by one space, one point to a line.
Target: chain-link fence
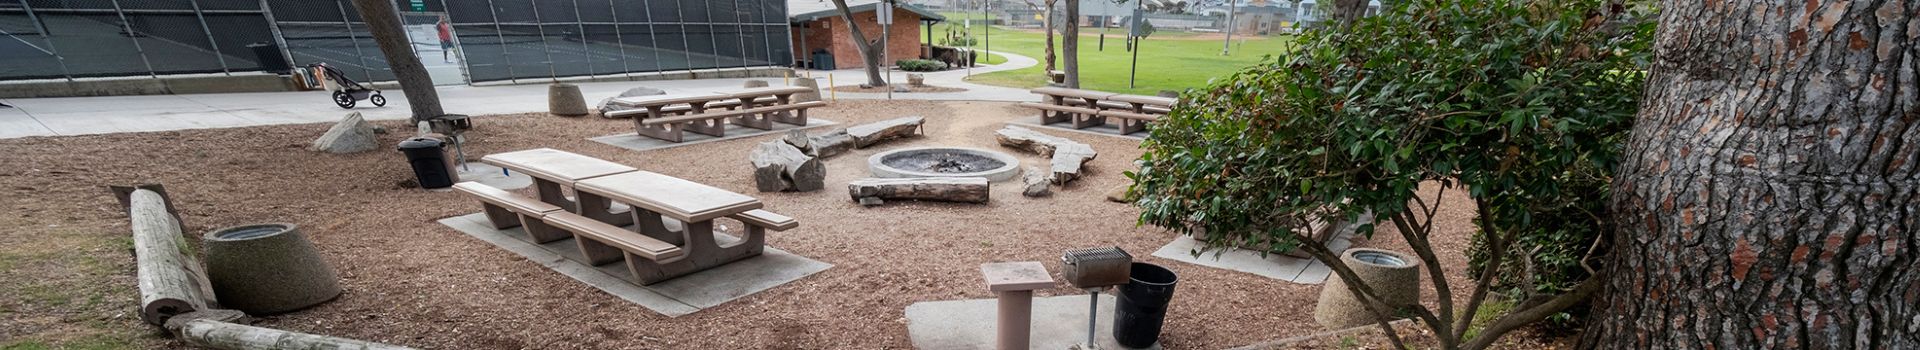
484 40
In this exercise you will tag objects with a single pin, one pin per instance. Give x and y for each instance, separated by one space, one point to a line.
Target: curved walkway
114 114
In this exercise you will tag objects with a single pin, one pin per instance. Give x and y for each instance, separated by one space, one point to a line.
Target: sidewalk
113 114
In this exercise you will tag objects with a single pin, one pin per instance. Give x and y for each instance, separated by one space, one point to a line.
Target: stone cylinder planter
565 100
1393 275
267 269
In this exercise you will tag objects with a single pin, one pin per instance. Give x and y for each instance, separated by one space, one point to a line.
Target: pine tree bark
384 25
1070 44
868 54
1768 199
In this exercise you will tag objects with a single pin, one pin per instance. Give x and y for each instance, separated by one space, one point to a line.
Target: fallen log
778 166
872 133
214 334
874 191
1067 156
170 278
830 144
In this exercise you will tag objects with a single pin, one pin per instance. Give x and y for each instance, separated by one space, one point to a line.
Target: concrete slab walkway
114 114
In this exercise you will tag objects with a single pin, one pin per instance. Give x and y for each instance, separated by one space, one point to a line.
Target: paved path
112 114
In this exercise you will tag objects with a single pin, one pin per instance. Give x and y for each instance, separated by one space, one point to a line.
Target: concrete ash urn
267 269
1393 275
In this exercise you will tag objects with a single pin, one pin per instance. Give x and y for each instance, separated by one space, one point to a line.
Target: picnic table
554 170
655 196
1088 108
752 107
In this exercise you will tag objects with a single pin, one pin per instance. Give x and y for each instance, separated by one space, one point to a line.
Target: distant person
446 40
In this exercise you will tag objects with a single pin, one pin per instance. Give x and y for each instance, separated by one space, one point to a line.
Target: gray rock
901 88
916 79
606 105
379 130
565 100
351 135
1039 183
809 96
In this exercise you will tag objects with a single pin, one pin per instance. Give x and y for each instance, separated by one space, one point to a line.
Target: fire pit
944 162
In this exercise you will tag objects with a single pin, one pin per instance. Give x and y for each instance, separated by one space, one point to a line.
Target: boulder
565 100
1120 194
754 83
916 79
901 88
809 96
1038 182
351 135
606 105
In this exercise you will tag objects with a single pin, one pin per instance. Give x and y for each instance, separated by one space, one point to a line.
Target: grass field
1167 62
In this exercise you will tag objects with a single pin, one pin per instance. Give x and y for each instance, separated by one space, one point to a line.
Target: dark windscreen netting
489 40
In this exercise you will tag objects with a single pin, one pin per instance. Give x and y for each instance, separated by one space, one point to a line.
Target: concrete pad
634 141
490 175
672 298
1058 322
17 123
1111 129
1273 265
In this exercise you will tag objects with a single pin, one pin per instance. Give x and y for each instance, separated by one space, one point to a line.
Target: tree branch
1441 290
1497 247
1359 288
1514 320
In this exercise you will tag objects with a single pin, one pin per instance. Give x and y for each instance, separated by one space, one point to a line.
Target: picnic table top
1076 93
1142 99
668 99
674 197
763 91
555 165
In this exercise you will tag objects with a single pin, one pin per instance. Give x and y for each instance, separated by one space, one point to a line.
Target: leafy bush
1522 103
917 65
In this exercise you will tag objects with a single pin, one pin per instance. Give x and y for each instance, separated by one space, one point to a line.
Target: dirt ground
883 89
66 258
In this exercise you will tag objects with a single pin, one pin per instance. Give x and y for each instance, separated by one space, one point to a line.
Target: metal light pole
1133 69
1233 9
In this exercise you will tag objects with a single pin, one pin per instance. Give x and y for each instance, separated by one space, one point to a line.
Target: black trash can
431 166
822 60
1143 305
268 54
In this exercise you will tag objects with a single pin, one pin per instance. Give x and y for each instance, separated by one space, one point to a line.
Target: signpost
884 13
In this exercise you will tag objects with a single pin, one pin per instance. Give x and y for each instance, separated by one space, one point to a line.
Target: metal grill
1096 267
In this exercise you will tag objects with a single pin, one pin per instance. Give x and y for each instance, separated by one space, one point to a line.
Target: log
872 133
830 144
214 334
873 191
778 166
798 138
171 280
1067 156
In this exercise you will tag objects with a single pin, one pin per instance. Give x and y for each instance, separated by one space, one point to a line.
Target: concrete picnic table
1140 102
654 196
552 170
750 98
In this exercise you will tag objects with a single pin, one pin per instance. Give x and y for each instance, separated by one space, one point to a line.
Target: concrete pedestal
1014 282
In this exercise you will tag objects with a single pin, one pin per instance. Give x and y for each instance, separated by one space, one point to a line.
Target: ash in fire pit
944 162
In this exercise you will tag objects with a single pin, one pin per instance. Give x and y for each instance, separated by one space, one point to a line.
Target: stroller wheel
378 101
343 99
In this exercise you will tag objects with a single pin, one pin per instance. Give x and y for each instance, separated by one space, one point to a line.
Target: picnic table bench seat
766 219
1081 117
713 122
508 210
603 243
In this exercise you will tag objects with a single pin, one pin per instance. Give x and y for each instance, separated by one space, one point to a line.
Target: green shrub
917 65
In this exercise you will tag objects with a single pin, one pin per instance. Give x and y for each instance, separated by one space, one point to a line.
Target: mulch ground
410 281
883 89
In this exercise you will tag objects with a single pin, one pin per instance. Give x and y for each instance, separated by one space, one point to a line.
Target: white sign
885 11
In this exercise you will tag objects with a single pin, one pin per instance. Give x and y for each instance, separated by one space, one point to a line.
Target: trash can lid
420 142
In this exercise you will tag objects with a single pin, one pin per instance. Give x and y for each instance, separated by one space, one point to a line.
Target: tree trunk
170 278
868 134
414 81
1070 44
1768 197
228 336
868 54
1067 156
1046 21
1346 11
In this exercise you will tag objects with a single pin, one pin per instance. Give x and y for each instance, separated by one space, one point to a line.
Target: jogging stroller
347 92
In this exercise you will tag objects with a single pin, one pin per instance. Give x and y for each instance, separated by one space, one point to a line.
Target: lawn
1167 62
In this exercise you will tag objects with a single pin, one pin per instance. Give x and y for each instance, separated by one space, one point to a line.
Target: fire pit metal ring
944 162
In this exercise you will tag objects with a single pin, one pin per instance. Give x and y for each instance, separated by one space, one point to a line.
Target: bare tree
1770 193
384 24
867 53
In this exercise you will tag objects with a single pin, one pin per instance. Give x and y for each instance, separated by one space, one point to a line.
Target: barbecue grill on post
1095 269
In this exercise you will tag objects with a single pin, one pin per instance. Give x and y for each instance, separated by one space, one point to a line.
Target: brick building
817 26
